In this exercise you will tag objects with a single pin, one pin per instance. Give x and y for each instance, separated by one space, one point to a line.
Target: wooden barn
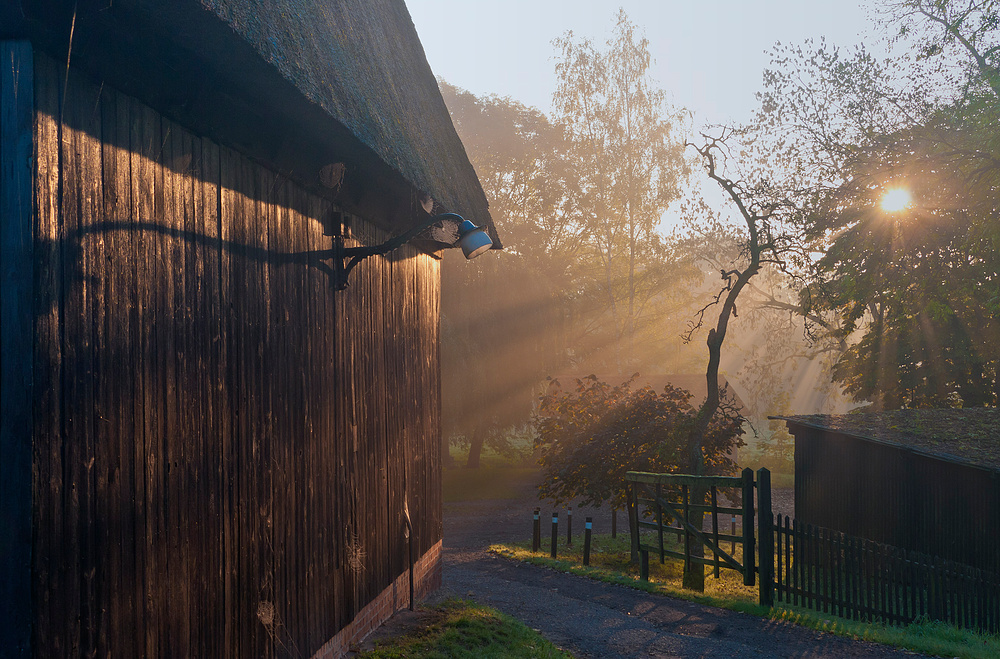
921 480
207 448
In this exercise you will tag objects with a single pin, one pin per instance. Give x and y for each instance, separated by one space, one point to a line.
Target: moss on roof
969 435
362 62
299 84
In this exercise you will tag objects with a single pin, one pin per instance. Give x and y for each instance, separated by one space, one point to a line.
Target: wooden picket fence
810 566
850 577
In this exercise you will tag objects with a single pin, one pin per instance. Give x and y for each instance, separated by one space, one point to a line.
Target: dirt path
592 619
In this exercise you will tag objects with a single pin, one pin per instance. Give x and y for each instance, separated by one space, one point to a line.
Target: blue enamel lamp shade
473 240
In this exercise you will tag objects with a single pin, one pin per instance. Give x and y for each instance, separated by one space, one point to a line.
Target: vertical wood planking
17 139
217 423
229 397
233 209
172 355
117 367
304 405
318 340
144 139
278 240
325 411
269 376
344 425
47 455
80 209
107 497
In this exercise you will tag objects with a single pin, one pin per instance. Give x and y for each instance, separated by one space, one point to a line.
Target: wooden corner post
631 507
749 569
765 537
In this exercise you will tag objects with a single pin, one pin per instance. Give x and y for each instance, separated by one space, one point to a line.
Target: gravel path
593 619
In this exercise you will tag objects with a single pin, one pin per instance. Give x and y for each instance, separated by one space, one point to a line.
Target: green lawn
610 562
465 630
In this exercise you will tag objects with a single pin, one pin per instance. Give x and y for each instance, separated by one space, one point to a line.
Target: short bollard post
536 531
587 526
555 532
569 527
614 522
644 565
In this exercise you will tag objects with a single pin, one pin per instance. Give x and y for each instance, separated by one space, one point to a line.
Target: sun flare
895 200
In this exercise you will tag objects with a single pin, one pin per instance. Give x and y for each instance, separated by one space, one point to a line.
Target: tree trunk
447 460
694 579
475 449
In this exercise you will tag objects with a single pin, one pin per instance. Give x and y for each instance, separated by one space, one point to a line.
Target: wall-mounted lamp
472 239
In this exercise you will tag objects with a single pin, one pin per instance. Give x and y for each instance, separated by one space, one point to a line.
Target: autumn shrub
589 436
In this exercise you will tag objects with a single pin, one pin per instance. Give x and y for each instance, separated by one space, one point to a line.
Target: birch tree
629 159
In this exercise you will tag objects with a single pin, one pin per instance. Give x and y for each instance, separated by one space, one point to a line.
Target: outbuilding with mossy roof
923 480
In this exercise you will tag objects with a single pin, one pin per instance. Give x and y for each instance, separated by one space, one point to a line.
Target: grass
782 481
610 563
468 630
498 476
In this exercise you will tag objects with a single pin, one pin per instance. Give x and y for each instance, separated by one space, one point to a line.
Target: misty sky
709 55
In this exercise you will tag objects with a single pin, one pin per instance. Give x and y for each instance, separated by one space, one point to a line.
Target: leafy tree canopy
913 293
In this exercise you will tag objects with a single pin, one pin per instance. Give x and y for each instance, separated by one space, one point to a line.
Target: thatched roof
305 83
970 436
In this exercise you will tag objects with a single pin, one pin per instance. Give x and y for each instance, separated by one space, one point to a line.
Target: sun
895 199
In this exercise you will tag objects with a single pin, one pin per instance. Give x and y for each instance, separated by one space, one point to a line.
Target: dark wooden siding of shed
16 344
897 497
221 439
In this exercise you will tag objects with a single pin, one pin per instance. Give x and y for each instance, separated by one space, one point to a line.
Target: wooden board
223 442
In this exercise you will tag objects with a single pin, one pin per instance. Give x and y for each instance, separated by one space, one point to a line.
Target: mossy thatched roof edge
296 83
362 62
970 436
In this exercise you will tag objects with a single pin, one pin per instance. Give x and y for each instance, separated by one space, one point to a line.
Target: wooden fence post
659 521
686 511
715 529
536 531
631 506
749 569
555 533
765 537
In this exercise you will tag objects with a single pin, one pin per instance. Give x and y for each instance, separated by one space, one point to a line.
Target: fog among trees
613 258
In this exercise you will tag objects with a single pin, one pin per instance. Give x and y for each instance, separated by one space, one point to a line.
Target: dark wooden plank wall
898 497
221 439
16 339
